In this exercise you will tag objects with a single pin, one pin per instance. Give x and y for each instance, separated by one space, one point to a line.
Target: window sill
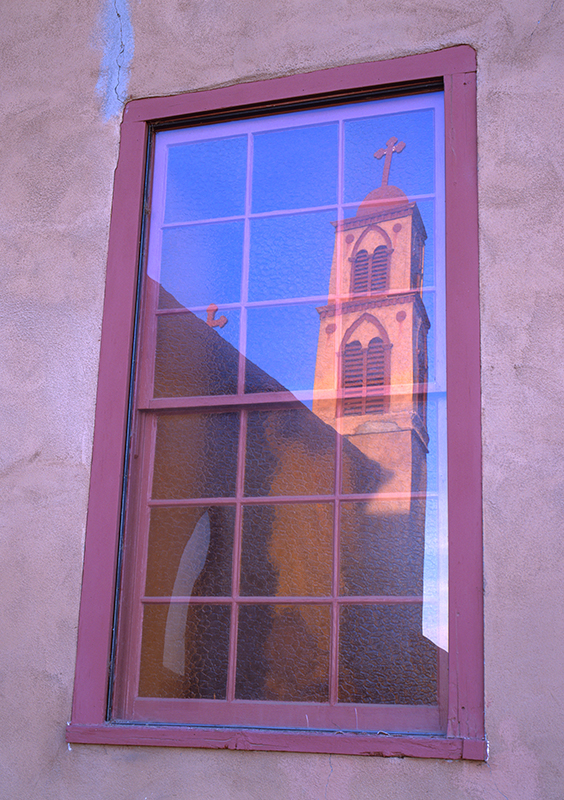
366 744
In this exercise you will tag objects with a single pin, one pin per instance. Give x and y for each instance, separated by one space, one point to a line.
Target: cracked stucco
117 44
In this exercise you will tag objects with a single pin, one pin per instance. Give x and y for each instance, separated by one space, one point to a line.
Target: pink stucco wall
65 70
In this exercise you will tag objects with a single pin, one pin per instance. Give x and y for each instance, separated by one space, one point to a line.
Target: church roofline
409 209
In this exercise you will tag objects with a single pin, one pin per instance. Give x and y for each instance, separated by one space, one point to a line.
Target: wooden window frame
455 68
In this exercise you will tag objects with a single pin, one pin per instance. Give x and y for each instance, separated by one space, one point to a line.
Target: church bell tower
371 368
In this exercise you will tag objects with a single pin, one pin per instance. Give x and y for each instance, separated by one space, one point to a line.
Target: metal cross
393 146
211 321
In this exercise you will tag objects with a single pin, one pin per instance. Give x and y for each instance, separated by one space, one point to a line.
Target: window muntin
239 454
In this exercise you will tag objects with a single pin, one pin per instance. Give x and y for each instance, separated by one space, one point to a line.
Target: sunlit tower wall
371 368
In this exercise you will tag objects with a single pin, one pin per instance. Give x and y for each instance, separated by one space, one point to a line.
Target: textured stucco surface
59 148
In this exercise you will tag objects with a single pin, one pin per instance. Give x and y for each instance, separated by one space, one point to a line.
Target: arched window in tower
364 369
370 272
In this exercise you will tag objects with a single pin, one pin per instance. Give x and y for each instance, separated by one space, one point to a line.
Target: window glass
289 502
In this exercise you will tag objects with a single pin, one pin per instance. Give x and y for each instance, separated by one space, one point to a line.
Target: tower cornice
363 303
409 209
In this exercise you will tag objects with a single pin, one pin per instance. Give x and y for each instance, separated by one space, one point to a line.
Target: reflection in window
285 452
370 273
191 564
422 373
364 368
353 376
375 374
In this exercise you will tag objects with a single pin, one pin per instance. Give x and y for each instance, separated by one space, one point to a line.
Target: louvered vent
379 273
361 271
422 372
375 374
353 376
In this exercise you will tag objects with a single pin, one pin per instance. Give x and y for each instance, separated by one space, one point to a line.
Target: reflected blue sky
286 333
429 301
206 180
434 400
412 169
427 211
201 264
295 168
290 256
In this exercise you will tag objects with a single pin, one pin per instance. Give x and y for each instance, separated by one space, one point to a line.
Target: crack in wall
543 17
494 782
329 776
120 53
116 34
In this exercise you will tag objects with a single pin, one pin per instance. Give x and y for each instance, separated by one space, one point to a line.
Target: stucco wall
66 69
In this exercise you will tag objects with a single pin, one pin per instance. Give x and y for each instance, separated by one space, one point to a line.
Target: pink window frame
465 735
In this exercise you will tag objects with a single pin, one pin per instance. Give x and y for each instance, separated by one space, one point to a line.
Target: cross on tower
393 146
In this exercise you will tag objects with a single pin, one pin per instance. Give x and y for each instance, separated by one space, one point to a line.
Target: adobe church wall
66 69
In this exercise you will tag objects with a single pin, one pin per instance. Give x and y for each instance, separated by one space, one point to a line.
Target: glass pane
361 473
206 179
429 299
427 211
289 452
387 459
435 413
382 548
435 579
295 168
193 358
282 341
291 256
384 657
184 651
201 264
287 550
283 653
196 455
190 551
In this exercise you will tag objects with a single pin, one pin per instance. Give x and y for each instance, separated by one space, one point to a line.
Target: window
270 565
